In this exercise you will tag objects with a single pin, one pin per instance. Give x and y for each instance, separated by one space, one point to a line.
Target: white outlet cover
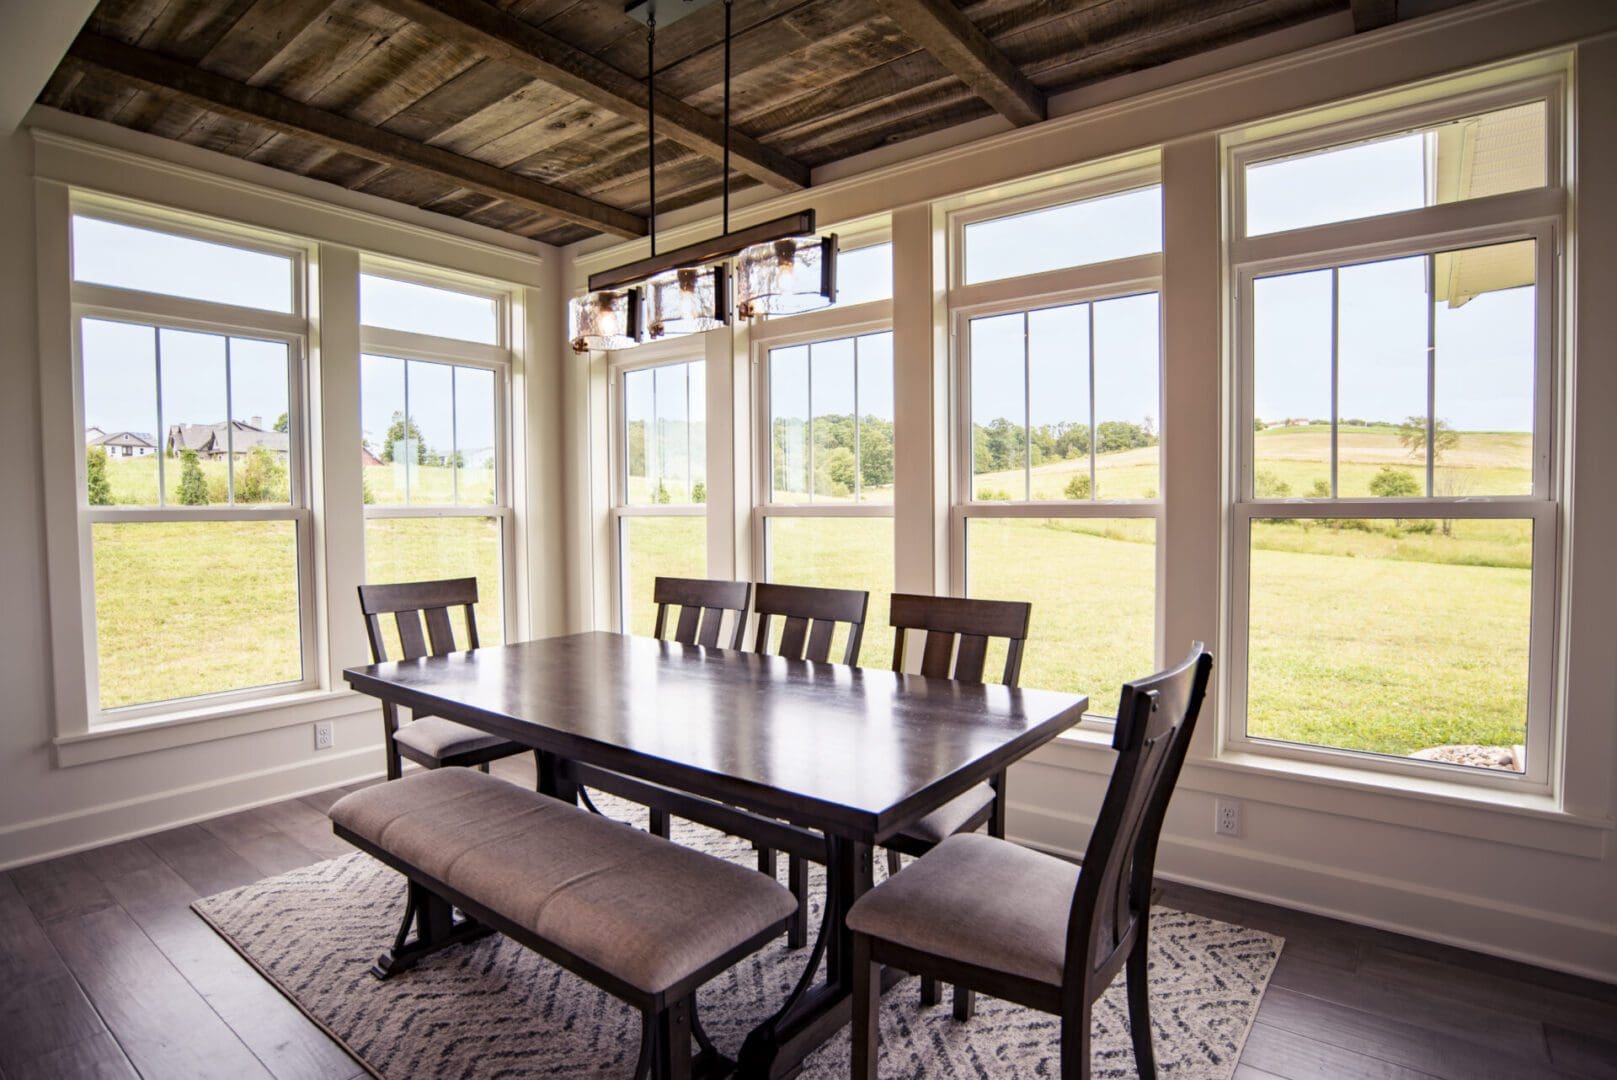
323 735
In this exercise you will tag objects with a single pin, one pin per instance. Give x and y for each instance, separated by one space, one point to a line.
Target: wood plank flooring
105 972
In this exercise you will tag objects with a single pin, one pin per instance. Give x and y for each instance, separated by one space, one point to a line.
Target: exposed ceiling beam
205 90
1373 14
511 41
956 43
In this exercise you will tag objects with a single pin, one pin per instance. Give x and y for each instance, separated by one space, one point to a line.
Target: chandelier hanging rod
710 250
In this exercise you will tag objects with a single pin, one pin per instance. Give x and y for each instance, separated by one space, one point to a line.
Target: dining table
833 759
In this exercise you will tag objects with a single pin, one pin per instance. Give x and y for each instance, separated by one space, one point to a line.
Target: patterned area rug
494 1008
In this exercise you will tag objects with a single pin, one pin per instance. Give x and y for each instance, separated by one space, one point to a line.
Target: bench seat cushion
640 908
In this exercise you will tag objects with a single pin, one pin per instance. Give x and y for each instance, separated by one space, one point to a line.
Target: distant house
368 458
214 441
126 444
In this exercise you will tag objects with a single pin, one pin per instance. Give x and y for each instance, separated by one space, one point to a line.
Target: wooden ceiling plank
259 36
203 89
1373 14
544 56
940 29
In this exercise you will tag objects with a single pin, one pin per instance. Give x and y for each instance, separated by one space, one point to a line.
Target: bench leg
435 928
671 1059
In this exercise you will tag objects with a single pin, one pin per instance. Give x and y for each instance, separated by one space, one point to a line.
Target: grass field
1363 635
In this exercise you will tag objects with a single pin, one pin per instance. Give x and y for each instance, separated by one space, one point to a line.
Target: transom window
414 307
1118 225
171 263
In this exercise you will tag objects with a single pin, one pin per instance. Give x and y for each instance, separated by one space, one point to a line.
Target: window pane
653 547
1483 155
430 393
431 549
1077 234
1058 401
428 309
876 417
1381 375
865 274
840 553
696 372
1092 583
194 607
999 407
475 447
120 412
127 257
788 424
665 429
1483 333
831 424
385 450
1126 397
1292 348
672 434
1365 636
194 410
261 420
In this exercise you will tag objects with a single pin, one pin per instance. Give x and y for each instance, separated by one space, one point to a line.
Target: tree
97 485
1412 433
262 479
876 451
1391 483
397 433
1321 489
1270 486
1258 425
661 495
282 423
699 492
1078 486
193 485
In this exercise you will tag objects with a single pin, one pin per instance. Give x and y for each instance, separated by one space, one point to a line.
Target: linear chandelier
781 266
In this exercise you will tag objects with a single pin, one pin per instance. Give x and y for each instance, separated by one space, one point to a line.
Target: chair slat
970 657
792 637
439 631
937 654
411 641
685 629
373 630
712 622
702 604
819 642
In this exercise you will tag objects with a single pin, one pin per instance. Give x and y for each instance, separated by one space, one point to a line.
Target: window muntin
430 432
1404 377
1114 226
831 420
171 264
393 303
664 437
1491 153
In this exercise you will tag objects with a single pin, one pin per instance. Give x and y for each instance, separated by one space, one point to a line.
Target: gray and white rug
495 1009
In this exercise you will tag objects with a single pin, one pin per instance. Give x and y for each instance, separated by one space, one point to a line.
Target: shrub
993 495
263 479
661 495
96 484
699 492
1391 483
193 485
1270 486
1320 490
1078 487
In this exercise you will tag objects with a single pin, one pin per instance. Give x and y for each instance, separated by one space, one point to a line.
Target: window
865 274
434 449
660 482
825 512
194 470
1118 225
1396 511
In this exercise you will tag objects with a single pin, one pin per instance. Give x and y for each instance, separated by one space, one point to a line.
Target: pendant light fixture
783 268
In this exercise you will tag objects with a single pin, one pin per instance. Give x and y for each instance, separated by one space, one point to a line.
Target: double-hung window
190 348
1396 509
435 374
659 454
1056 319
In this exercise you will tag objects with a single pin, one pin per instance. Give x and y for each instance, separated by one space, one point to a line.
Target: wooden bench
641 917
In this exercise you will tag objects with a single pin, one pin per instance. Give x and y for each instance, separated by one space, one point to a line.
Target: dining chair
702 605
809 621
1032 928
430 741
956 633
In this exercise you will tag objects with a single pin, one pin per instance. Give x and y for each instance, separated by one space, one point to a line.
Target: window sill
187 727
1433 804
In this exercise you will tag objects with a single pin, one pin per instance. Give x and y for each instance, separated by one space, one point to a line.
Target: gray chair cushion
978 900
947 819
439 738
639 907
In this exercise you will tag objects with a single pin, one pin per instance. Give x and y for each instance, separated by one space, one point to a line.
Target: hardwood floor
105 972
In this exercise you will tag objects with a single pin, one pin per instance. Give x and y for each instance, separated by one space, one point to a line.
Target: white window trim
1535 214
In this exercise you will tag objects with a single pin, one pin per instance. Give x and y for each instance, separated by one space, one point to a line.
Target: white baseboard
1545 939
79 830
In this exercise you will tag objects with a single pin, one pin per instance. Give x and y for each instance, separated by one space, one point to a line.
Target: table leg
553 779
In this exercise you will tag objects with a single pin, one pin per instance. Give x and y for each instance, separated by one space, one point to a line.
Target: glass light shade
785 277
606 320
689 300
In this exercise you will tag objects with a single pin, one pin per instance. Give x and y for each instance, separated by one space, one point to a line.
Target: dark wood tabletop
857 752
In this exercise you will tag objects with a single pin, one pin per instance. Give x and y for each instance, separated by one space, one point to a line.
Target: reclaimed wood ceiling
528 115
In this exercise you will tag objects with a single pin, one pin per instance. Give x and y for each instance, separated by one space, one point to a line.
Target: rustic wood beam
203 89
1373 14
956 43
511 41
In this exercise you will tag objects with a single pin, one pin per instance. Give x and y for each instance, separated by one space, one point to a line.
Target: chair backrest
1154 723
945 619
811 616
702 604
411 602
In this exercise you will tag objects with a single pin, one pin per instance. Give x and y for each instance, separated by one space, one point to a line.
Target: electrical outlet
322 735
1227 817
